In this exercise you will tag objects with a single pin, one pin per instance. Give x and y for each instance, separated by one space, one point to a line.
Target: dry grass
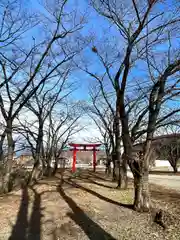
85 206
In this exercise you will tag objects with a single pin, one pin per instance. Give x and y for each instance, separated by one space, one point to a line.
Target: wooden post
94 159
74 160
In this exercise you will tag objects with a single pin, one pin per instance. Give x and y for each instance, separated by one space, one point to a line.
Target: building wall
23 159
162 163
83 156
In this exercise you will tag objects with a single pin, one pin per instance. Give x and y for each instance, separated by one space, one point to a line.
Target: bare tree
169 146
103 117
14 22
42 104
106 139
171 152
62 133
47 138
141 29
34 67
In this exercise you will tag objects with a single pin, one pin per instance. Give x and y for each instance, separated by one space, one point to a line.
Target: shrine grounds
85 205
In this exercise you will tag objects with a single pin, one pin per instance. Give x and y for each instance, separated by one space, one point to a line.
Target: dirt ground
85 205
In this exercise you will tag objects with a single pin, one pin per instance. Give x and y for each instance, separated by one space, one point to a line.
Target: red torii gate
84 147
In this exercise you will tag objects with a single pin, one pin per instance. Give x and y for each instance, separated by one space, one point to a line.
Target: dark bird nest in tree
94 49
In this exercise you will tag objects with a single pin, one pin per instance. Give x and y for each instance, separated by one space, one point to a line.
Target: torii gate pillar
74 160
94 159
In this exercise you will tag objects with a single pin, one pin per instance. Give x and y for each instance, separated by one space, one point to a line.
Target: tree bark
118 159
108 161
118 173
114 176
141 192
47 169
141 179
1 146
145 191
124 178
137 191
108 166
7 184
55 166
46 163
173 161
36 171
175 169
121 167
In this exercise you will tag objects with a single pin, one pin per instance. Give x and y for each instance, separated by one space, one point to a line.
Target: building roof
26 154
160 139
172 135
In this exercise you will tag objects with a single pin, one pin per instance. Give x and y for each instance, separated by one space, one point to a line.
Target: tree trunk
46 163
43 160
108 161
7 184
137 192
141 192
118 160
47 169
173 161
141 180
119 174
122 176
119 170
145 191
123 172
108 166
35 173
114 176
175 169
55 167
1 146
125 178
36 168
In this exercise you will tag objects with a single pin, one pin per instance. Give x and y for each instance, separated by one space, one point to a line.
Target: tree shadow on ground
97 176
24 229
160 193
89 180
169 173
34 231
19 230
90 228
74 184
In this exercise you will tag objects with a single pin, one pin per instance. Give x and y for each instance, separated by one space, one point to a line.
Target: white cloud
90 133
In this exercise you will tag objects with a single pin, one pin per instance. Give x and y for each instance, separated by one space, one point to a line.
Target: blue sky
95 26
103 33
